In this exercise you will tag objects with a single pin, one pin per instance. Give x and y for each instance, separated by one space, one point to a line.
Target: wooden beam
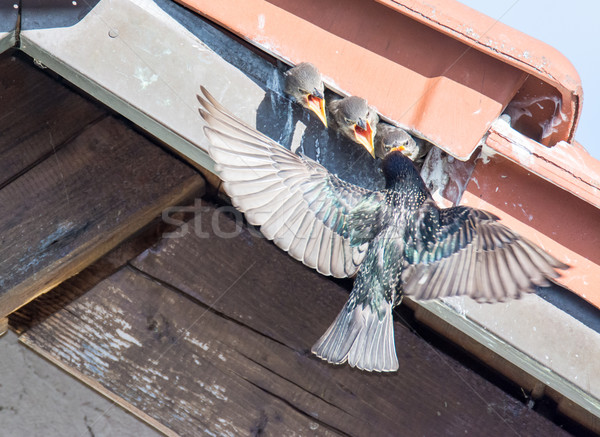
207 331
42 115
3 326
56 299
80 202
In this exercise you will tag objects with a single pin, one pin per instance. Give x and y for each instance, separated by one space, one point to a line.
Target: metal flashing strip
131 66
9 18
502 335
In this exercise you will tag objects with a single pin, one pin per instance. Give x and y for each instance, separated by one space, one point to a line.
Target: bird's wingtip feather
210 133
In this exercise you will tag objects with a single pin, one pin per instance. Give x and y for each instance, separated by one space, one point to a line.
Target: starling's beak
398 149
316 103
363 133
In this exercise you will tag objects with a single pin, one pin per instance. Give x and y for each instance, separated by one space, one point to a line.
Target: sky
572 28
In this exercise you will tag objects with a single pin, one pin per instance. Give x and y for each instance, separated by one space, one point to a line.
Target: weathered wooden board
60 296
234 271
230 353
3 326
70 209
39 114
149 346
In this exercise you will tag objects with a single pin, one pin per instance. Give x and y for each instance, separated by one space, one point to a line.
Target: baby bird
391 137
356 120
303 83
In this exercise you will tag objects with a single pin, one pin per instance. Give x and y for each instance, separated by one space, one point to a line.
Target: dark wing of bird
463 250
296 202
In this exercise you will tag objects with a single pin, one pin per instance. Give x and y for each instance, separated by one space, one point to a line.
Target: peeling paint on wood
224 350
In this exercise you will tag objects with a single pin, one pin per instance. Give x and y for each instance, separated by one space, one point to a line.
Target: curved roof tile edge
535 57
501 42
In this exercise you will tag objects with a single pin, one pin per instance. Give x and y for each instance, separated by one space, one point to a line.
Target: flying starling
355 119
397 240
304 84
391 137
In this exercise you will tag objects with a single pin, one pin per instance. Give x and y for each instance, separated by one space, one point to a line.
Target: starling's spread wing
462 250
296 202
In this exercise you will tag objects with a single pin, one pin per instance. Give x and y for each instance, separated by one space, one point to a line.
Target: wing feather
467 251
296 202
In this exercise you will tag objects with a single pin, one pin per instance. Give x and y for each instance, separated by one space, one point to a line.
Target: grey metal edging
7 41
469 334
119 104
9 22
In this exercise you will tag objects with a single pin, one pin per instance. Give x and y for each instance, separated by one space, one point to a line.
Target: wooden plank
247 283
75 206
186 368
3 326
174 361
39 115
56 299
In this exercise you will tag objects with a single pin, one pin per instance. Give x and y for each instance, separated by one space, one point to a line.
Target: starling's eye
347 120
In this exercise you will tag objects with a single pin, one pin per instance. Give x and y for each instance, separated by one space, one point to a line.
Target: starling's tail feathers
361 338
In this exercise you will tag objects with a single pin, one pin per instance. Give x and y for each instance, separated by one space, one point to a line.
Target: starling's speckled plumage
397 239
390 137
355 119
304 84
